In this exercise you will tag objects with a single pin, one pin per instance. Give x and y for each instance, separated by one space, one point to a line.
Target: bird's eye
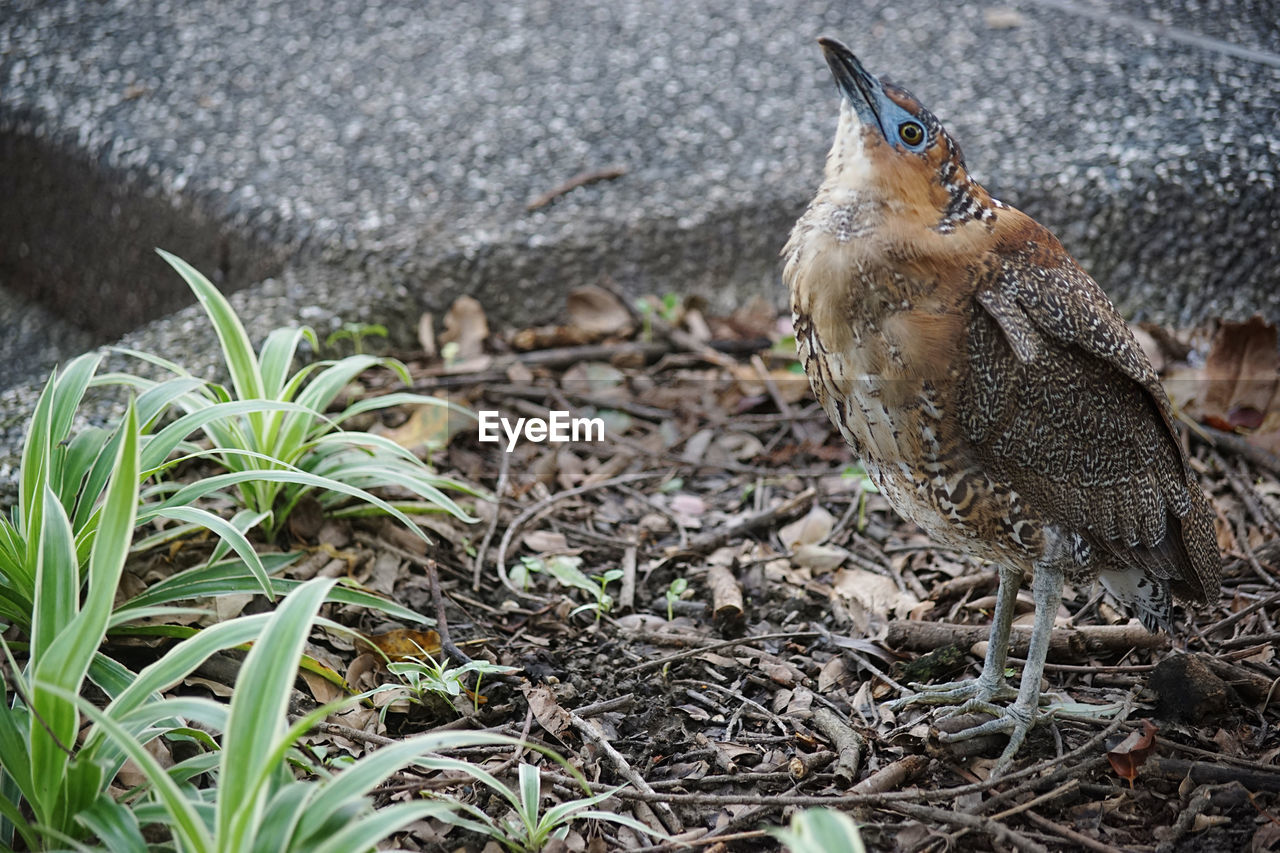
911 133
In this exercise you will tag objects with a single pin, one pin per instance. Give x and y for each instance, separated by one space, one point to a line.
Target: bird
994 394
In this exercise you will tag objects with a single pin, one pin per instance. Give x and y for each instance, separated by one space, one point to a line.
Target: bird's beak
859 87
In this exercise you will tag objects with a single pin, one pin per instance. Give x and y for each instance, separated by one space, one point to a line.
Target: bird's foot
958 696
1014 720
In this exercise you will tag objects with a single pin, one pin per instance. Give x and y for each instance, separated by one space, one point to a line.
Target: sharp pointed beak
859 87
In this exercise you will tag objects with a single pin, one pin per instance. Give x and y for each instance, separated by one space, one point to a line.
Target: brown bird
993 392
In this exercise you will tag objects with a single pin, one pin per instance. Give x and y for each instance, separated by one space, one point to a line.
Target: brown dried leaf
595 377
402 643
551 337
322 688
544 541
465 324
819 558
866 596
429 428
810 530
833 673
594 309
427 334
1239 387
758 318
546 710
689 506
361 665
1130 754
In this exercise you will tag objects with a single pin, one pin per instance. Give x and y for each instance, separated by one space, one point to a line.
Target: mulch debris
762 603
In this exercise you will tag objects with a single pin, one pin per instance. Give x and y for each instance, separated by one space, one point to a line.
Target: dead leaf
811 529
465 325
365 663
306 518
736 755
779 673
690 506
551 337
735 446
791 387
324 690
1243 373
596 310
217 688
758 318
427 334
833 673
819 558
1238 389
544 541
429 428
867 595
1266 839
1130 754
229 606
402 643
594 377
131 776
695 712
547 711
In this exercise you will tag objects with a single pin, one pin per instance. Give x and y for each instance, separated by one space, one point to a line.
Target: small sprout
528 566
670 310
674 590
356 333
423 675
449 353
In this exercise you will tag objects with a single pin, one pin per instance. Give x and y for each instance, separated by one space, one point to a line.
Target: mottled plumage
992 391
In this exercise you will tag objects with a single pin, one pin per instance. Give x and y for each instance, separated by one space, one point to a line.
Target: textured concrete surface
376 159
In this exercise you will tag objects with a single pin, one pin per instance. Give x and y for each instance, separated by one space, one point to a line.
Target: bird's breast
888 387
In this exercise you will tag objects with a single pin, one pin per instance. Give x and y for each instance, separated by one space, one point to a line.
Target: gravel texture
370 160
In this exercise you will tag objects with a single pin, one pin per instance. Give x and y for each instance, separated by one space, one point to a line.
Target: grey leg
1018 718
990 682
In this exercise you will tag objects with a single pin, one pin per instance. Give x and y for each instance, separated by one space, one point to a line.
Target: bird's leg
989 684
1017 719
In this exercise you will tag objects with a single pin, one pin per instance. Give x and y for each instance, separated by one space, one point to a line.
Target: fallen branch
682 640
1238 445
848 743
1077 643
592 733
581 179
726 595
892 777
1205 773
477 568
989 826
1071 835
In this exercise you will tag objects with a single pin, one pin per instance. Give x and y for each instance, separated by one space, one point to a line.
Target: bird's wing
1062 404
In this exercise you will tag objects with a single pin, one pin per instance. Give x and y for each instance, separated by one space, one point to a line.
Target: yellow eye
911 133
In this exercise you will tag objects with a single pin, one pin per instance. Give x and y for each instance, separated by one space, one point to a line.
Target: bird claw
955 696
1015 720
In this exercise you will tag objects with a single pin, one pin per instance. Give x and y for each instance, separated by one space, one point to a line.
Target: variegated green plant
63 475
821 830
527 827
271 433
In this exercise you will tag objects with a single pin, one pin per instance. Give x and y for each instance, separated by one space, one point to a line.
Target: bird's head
890 150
